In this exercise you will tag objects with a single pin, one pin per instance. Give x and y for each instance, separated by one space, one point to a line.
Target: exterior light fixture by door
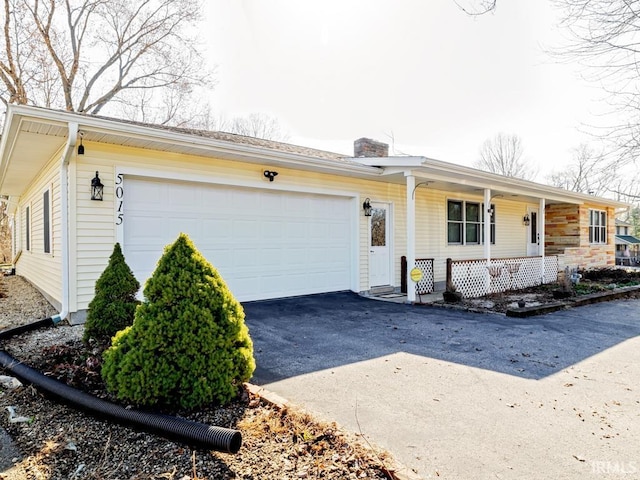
526 219
81 146
366 206
270 174
96 188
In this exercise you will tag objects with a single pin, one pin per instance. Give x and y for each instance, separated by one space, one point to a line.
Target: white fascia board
430 169
190 141
502 186
443 171
8 135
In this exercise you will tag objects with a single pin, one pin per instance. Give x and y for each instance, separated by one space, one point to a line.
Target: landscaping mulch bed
59 442
592 281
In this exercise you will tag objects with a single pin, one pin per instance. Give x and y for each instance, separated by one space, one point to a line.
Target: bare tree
584 174
256 125
81 55
476 7
590 173
179 105
603 38
253 125
503 154
5 233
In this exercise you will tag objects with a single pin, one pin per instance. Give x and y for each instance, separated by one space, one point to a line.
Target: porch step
381 290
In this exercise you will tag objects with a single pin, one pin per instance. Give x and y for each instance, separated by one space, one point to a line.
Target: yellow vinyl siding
395 196
95 230
94 221
42 269
431 229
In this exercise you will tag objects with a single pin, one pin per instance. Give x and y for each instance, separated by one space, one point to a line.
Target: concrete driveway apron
454 394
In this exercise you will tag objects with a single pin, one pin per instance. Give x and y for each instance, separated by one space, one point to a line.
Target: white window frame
47 237
28 216
479 225
597 226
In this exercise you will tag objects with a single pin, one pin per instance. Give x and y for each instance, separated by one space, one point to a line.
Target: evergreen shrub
114 303
188 345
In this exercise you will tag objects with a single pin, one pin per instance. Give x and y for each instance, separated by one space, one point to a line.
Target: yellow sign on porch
416 274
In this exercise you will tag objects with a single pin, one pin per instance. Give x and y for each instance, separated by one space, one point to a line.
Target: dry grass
303 435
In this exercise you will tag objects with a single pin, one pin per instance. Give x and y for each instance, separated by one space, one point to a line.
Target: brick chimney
365 147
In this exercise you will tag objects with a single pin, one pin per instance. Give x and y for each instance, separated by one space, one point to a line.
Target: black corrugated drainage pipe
193 433
12 332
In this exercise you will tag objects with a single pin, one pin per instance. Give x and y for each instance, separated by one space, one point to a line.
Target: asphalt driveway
454 394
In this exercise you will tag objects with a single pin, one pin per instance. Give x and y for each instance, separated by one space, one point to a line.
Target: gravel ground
58 442
21 303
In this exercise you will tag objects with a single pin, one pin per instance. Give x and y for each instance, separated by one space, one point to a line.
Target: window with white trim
27 228
597 226
465 222
46 220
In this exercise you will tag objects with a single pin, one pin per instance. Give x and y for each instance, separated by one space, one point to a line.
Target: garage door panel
147 197
272 258
271 230
246 285
212 197
143 231
266 244
141 263
242 197
295 230
174 225
245 230
273 203
222 228
181 197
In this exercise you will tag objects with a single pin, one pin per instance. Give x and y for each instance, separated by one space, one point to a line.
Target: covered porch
532 241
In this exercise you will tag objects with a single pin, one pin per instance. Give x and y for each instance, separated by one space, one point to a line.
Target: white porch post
411 236
486 214
541 224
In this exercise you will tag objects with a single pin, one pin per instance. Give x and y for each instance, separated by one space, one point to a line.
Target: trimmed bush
114 303
188 345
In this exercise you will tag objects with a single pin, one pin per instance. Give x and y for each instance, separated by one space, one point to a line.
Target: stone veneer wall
562 227
567 235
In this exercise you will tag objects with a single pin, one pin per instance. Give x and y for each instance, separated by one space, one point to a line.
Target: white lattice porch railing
474 278
425 285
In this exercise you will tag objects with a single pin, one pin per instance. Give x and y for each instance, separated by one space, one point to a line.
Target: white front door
379 265
533 233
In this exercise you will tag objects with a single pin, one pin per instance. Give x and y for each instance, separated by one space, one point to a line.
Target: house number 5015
119 199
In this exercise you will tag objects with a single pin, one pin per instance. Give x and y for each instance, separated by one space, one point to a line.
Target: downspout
64 220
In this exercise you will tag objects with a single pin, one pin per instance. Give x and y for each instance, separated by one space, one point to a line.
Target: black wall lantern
526 219
96 188
366 206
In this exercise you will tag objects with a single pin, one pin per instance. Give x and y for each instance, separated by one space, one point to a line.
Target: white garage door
266 244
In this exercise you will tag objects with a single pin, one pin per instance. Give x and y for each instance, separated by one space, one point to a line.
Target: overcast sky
439 81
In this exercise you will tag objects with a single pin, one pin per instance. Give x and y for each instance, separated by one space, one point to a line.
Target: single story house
627 246
276 220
